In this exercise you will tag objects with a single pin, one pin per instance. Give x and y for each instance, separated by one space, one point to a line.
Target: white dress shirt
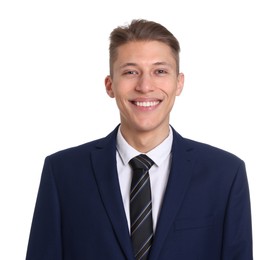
159 172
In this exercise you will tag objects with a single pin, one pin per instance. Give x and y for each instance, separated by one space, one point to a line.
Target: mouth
146 103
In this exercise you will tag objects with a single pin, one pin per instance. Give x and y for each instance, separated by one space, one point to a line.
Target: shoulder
206 153
84 150
208 160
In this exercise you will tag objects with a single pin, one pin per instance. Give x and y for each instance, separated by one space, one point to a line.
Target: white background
53 61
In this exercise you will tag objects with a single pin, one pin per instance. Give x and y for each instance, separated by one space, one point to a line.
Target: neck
144 141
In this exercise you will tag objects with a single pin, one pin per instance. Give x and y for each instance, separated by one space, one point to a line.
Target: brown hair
142 30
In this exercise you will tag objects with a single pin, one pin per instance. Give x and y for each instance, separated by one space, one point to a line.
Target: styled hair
142 30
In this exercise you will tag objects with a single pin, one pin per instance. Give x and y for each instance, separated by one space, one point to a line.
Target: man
194 197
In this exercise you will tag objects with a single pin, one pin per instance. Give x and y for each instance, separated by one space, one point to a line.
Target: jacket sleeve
45 235
237 237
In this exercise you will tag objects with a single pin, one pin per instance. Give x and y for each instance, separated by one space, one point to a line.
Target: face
144 84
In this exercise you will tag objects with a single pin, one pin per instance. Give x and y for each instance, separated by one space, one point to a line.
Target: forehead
145 52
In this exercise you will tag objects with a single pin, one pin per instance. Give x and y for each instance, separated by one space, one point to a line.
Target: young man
190 200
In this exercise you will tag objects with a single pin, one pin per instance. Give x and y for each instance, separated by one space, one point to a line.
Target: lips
146 103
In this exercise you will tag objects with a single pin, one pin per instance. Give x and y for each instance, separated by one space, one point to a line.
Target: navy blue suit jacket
79 214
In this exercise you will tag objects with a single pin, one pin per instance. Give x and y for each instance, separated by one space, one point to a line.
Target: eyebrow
127 65
132 64
162 63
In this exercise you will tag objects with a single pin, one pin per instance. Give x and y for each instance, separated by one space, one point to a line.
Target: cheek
173 92
120 100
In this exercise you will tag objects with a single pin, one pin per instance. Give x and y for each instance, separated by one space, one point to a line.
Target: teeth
147 104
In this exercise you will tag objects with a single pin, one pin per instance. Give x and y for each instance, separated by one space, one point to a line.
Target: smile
146 103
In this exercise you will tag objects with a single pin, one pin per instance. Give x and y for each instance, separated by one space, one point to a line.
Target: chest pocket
194 223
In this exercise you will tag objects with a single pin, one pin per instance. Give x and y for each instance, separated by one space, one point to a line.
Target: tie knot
141 161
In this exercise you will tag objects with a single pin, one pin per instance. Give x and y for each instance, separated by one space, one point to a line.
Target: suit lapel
104 164
105 170
179 179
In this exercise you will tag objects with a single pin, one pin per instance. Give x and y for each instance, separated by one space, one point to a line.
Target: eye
130 72
161 71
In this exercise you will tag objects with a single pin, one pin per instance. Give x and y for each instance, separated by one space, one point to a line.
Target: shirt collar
158 154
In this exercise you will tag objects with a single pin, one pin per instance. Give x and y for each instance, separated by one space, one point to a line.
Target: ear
108 84
180 84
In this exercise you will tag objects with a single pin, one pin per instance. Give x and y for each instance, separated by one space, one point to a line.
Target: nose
145 83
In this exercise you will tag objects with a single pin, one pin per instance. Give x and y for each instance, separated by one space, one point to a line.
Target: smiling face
144 83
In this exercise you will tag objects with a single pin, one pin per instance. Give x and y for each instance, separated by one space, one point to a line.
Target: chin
148 127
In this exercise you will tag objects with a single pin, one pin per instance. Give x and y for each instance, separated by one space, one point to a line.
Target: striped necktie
141 206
